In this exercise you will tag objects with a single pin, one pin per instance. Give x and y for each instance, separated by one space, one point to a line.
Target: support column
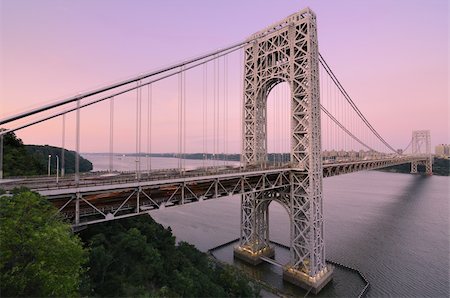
254 242
429 166
287 51
77 208
421 148
307 267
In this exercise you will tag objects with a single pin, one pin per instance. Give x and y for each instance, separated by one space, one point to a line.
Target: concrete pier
253 258
301 279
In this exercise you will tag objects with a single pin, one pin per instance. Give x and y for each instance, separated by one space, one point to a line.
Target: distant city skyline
392 57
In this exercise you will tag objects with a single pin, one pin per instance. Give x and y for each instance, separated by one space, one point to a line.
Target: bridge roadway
106 197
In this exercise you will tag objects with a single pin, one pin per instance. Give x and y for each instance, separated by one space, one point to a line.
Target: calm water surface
392 227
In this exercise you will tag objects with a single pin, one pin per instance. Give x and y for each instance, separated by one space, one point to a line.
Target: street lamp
49 157
57 168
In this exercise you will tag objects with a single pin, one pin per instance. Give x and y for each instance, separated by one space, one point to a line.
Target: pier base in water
309 283
253 258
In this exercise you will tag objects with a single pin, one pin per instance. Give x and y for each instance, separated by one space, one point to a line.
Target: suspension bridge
295 121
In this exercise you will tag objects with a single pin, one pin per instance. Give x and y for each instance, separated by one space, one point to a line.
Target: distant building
442 150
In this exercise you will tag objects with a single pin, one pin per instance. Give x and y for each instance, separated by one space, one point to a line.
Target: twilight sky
391 56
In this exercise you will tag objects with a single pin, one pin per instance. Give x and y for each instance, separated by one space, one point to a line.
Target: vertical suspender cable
214 113
149 128
344 116
205 108
180 108
136 132
224 113
63 145
241 102
77 146
336 131
275 103
218 112
140 131
284 119
111 133
288 121
330 147
225 98
277 124
137 159
330 124
203 115
274 133
184 120
336 139
341 131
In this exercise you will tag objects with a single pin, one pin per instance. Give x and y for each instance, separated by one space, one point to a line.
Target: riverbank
441 167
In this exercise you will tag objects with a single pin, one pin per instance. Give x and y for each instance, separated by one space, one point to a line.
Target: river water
392 227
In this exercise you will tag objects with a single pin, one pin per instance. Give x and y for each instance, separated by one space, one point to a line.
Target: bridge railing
114 178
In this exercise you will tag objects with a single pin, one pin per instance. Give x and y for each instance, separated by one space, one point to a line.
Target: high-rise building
442 150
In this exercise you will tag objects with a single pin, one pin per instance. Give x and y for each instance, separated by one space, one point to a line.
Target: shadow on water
390 214
397 244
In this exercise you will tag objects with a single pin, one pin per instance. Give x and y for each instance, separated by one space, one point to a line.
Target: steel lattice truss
286 52
97 200
99 203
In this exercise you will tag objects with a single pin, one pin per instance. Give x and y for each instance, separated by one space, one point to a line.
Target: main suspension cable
350 101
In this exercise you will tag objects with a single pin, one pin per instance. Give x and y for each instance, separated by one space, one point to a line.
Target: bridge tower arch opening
278 123
286 51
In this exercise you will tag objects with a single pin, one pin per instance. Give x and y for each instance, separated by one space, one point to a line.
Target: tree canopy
39 254
138 257
26 160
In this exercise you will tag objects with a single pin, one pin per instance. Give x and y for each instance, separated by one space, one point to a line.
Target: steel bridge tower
421 146
286 51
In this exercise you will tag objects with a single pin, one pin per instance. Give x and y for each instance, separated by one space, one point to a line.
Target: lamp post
49 158
57 168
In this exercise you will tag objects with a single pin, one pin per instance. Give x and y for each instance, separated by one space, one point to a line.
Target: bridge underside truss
89 205
102 201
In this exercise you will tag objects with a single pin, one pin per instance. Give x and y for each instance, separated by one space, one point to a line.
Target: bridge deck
105 197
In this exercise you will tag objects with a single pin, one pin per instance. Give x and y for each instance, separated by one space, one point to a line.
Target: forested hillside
137 257
441 167
131 257
27 160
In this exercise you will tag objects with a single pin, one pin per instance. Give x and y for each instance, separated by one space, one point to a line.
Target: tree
26 160
39 255
138 257
16 160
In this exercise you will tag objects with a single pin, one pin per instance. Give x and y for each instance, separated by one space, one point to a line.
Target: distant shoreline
441 166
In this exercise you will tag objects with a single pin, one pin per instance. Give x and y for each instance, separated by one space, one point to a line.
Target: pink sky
391 56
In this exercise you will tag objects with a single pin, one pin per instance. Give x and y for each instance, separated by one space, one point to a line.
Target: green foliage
138 257
16 160
441 166
41 153
39 254
27 160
